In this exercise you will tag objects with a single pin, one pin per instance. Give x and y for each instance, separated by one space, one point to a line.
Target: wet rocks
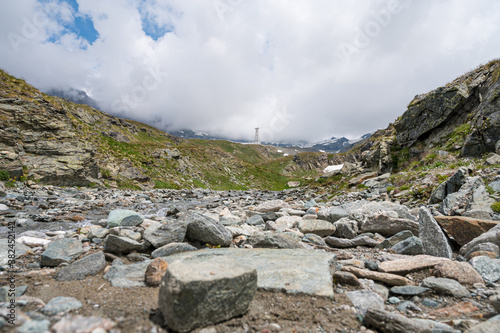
61 251
226 288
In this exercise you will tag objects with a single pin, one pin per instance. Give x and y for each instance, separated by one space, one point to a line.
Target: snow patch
331 168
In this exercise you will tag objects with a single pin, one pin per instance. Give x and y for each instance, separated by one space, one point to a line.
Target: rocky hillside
46 139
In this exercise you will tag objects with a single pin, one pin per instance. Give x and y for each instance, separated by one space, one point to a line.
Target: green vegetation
4 175
404 187
496 207
457 137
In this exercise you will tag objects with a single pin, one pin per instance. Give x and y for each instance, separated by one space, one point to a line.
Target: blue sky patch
82 25
154 26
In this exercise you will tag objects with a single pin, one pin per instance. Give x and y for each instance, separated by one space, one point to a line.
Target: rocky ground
293 261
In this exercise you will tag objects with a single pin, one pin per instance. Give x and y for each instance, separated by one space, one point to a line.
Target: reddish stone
154 272
492 255
460 271
456 310
464 229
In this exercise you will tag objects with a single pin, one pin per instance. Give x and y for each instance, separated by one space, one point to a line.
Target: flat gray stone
80 269
61 304
486 267
127 276
61 251
445 286
271 206
345 243
206 230
197 294
294 270
318 227
364 299
124 218
409 290
172 248
434 241
121 245
162 234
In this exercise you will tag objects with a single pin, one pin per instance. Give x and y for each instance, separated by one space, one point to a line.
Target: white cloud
232 65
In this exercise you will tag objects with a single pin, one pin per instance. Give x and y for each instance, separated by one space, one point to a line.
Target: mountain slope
48 139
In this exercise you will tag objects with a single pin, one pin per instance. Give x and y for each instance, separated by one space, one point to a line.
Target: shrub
4 175
404 187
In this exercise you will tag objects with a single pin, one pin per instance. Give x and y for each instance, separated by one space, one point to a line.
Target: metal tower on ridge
257 139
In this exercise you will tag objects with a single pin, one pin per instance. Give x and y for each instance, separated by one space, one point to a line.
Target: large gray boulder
298 271
160 234
124 218
410 246
204 229
80 269
61 251
434 240
197 294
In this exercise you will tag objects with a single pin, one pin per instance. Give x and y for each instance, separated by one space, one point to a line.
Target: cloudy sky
298 69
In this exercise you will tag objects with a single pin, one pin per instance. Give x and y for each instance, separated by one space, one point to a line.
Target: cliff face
38 140
470 103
